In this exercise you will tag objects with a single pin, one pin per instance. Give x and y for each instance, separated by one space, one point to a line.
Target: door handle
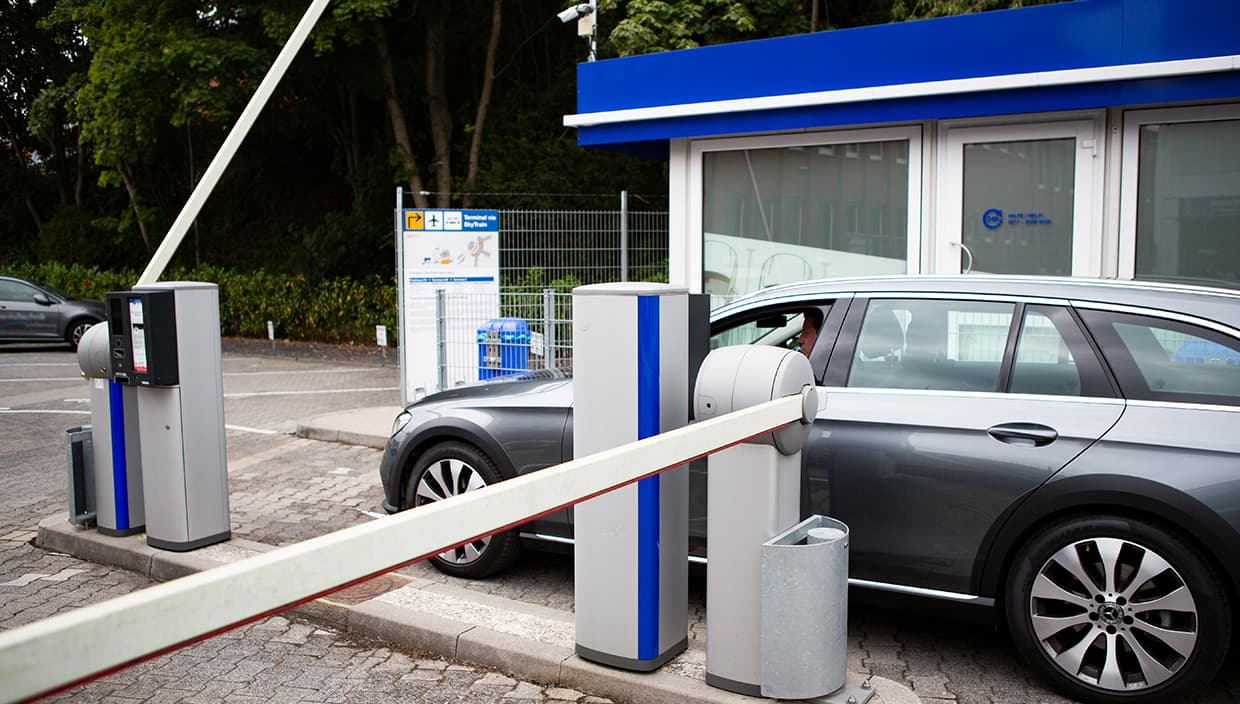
1033 434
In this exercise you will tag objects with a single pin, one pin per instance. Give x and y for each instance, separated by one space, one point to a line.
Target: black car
1061 455
34 312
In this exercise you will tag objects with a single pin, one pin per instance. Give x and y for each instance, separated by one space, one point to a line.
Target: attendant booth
1085 138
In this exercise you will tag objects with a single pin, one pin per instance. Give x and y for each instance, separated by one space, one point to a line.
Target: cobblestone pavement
285 489
274 660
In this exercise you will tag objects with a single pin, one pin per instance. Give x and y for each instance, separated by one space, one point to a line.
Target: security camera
575 12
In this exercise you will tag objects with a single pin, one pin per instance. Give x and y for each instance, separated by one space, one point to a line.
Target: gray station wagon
1062 454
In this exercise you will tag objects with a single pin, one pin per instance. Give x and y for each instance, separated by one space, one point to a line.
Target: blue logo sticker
992 218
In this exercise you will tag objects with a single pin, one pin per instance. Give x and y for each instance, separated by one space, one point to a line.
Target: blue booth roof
1072 55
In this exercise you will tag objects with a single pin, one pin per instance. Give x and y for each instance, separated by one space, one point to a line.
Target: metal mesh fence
565 248
533 332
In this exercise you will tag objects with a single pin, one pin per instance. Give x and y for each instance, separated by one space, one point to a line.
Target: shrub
340 310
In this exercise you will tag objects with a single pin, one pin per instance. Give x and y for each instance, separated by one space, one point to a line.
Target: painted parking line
247 429
10 411
48 378
307 392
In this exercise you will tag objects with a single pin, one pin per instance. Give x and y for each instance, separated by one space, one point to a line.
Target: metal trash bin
79 446
804 636
503 347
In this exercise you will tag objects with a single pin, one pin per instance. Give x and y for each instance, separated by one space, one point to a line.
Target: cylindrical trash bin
80 453
503 347
804 637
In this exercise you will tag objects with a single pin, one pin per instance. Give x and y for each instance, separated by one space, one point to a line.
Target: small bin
79 444
804 610
503 347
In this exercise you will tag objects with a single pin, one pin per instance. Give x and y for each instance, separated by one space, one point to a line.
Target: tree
665 25
902 10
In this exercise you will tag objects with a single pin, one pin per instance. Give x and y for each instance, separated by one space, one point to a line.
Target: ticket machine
164 339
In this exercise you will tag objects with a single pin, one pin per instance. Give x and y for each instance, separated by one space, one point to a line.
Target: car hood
521 390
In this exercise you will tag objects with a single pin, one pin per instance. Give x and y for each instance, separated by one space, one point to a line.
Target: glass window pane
946 345
1178 362
1188 202
1044 364
787 214
1018 205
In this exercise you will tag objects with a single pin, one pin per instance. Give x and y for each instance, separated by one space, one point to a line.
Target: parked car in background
1062 454
34 312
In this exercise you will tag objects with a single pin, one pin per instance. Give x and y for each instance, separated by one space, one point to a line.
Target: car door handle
1023 434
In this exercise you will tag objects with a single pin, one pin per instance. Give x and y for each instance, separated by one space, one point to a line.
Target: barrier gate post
630 362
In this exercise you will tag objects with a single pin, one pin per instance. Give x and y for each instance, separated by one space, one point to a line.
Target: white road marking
371 389
79 377
247 429
304 371
39 364
11 412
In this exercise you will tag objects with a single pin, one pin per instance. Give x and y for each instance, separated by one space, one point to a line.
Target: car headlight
401 421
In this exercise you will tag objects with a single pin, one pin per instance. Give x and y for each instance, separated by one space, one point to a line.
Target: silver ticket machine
165 341
117 464
630 365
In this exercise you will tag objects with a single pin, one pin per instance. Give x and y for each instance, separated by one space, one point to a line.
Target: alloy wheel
1114 614
444 479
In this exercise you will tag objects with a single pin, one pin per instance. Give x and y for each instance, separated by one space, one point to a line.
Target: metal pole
163 254
624 235
401 338
441 336
549 328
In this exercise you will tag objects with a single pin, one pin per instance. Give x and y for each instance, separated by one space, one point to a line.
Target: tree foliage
113 109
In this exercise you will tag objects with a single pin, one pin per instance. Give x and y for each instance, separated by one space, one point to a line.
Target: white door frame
1087 235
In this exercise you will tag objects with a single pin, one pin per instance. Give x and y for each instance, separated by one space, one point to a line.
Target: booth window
791 213
1188 202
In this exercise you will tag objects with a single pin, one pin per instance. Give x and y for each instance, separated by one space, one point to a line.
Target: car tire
446 470
76 329
1083 605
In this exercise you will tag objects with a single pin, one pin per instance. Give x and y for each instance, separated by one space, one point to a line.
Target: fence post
441 337
548 296
624 235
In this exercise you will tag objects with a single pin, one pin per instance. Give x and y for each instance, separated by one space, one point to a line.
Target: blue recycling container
503 347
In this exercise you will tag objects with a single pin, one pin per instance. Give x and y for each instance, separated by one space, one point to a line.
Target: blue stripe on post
120 483
647 489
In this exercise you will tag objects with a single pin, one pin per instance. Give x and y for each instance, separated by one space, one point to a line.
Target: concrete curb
529 658
351 427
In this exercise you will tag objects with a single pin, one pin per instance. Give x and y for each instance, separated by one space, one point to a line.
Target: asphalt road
285 489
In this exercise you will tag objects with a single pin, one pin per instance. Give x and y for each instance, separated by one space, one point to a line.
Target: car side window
14 291
1166 360
1053 358
931 344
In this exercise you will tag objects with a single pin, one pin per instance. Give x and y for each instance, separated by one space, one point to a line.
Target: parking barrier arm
68 649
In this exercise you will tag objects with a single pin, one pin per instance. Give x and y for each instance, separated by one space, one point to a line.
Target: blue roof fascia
938 107
1065 36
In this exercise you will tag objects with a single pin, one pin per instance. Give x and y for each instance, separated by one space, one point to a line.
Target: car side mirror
42 299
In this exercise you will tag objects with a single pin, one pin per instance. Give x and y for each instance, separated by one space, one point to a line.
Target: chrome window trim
964 296
1100 400
1159 314
1183 405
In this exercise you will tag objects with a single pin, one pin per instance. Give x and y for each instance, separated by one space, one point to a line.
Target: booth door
1020 199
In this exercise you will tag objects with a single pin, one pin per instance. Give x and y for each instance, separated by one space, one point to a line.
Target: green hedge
333 310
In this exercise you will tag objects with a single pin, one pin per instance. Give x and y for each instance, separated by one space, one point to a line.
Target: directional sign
457 252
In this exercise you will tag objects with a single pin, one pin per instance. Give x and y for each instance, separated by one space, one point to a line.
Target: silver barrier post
631 555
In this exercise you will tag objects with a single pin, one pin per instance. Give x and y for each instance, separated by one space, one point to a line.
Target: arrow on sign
413 220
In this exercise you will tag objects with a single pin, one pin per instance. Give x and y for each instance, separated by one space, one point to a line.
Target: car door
21 316
941 415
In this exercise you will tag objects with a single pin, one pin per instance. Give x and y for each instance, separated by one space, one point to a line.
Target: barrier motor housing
142 329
